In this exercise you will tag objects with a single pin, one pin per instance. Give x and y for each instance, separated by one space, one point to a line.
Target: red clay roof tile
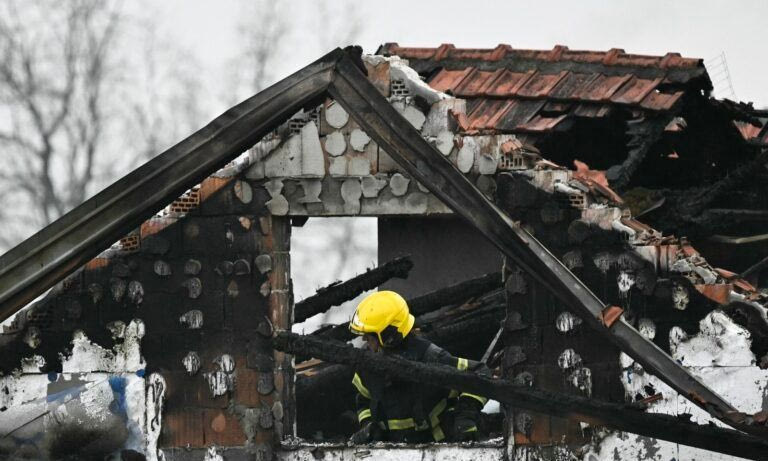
532 91
602 87
613 56
509 83
539 85
635 90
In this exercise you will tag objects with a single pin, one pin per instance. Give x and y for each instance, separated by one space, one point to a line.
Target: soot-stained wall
162 342
667 297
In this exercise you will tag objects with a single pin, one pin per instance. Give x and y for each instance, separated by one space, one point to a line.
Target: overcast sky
702 29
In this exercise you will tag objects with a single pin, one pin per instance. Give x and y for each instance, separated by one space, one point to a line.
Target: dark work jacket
407 411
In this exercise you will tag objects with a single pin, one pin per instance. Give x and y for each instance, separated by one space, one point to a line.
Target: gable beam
60 248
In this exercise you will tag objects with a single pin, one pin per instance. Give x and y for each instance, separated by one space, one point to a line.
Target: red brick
185 390
211 185
222 428
245 387
182 428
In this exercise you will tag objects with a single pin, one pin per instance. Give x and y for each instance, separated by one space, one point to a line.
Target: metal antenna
721 77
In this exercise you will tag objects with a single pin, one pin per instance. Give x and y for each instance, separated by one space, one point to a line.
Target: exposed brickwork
222 429
196 284
130 242
246 392
187 202
183 428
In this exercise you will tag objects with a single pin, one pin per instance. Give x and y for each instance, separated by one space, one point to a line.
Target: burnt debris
339 292
453 295
575 407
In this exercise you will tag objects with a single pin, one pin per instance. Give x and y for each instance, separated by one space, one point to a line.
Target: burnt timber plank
454 294
622 417
432 301
415 155
335 295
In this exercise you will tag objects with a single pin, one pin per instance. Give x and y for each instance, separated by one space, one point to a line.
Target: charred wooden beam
430 302
326 389
738 213
454 294
688 211
492 301
457 330
469 329
337 293
338 332
643 135
758 266
695 204
739 240
622 417
470 332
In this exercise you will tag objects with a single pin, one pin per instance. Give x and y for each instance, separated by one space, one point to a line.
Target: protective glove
365 434
484 371
466 413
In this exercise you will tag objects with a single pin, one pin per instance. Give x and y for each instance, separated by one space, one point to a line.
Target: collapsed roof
631 103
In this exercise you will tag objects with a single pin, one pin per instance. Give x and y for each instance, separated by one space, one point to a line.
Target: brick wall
209 286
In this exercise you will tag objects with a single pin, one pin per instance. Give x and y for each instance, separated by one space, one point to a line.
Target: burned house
558 206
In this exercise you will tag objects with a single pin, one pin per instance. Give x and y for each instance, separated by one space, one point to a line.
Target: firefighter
401 411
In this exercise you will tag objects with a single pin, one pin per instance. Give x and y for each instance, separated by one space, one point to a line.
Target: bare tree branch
64 129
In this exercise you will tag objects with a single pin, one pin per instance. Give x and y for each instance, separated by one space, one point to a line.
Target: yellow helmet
380 310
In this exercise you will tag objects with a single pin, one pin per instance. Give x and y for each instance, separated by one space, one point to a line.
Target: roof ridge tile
611 57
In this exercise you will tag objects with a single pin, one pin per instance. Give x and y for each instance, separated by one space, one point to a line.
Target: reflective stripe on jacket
411 411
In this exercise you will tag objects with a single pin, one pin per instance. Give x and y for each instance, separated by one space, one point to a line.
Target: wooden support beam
617 416
432 301
338 293
760 265
454 294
